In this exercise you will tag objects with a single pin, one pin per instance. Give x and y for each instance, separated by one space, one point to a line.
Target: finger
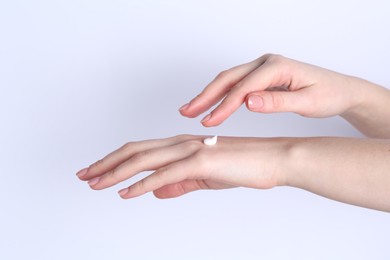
218 88
145 161
178 189
228 106
260 79
173 173
117 157
279 101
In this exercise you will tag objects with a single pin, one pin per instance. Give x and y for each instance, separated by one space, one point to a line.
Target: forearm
371 113
354 171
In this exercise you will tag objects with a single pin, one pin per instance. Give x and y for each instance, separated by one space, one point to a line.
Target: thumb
176 189
277 101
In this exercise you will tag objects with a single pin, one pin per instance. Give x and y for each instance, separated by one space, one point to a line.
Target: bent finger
178 189
218 88
260 79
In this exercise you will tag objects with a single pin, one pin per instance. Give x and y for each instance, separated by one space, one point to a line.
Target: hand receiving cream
211 140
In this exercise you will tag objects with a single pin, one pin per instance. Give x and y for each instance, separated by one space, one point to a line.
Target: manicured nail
93 181
82 172
206 118
123 192
184 107
255 102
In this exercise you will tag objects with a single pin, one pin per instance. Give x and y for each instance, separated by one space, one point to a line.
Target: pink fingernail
82 172
206 118
255 102
123 192
93 181
184 107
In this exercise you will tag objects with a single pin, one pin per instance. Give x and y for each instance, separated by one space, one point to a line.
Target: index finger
120 155
219 87
272 73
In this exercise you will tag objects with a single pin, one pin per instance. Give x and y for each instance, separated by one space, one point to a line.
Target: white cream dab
211 140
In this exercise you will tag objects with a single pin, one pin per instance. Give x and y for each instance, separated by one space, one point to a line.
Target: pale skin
350 170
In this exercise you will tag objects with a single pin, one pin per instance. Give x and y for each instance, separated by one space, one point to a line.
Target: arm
354 171
273 83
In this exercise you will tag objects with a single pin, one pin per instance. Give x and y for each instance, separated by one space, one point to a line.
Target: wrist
291 154
356 95
295 163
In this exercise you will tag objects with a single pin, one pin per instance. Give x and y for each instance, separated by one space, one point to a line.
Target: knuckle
127 147
161 172
266 56
192 145
223 75
113 175
182 137
97 164
140 186
277 100
279 62
140 156
203 185
274 58
160 175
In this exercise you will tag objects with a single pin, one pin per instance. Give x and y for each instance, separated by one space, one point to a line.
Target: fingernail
123 192
184 107
82 172
206 118
255 102
93 181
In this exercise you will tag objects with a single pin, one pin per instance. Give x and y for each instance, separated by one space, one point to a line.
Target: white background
79 78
